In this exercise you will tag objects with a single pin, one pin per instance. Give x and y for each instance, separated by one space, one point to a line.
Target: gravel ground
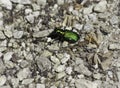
30 59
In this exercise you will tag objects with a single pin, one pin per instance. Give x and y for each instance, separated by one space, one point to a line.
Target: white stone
1 23
36 13
2 80
22 1
78 26
2 36
27 81
71 8
19 7
15 82
1 15
82 83
114 46
68 70
1 54
3 43
41 2
17 34
28 11
6 3
60 68
7 56
87 10
8 33
60 75
54 60
53 86
2 48
30 18
60 2
101 6
24 73
43 33
65 58
40 85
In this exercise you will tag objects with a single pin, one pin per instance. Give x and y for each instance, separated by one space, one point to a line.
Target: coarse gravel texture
30 59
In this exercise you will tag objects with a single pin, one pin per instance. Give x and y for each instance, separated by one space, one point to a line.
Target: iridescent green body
65 35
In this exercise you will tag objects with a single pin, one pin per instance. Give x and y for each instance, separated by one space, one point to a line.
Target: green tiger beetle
64 35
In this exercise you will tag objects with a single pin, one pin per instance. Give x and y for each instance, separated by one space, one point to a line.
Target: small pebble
2 36
27 81
101 6
60 75
114 46
23 73
69 70
60 2
65 58
60 68
7 56
40 85
18 34
2 80
22 1
6 3
41 2
55 60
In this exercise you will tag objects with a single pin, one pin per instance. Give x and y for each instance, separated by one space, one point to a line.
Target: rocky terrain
30 59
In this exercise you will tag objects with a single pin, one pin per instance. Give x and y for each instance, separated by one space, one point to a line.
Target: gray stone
114 46
1 15
88 27
87 10
43 63
8 33
6 3
2 36
27 81
23 73
35 7
4 43
55 60
28 11
1 23
40 85
43 33
68 70
15 82
114 20
32 85
7 56
22 1
82 83
30 18
24 63
46 53
17 34
65 58
60 68
60 2
97 76
41 2
5 86
78 26
81 68
60 75
2 48
2 80
101 6
53 47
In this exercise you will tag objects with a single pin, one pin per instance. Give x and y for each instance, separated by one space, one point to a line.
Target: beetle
64 35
